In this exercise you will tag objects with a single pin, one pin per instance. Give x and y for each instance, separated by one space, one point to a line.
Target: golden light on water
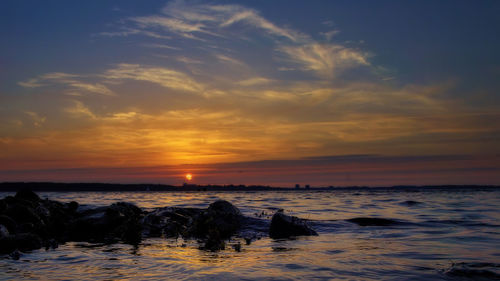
189 177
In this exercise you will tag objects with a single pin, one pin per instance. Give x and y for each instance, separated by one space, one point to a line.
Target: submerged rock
474 271
285 226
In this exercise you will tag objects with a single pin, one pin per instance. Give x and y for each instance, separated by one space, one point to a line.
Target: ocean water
441 235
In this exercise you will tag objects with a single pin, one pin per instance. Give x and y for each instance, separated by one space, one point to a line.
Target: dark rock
221 218
72 206
26 227
410 203
474 271
4 232
248 240
3 206
373 221
15 255
28 242
224 208
169 221
22 213
23 242
7 244
237 247
284 226
9 223
27 195
51 244
120 221
214 242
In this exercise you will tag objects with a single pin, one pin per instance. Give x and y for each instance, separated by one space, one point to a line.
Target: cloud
162 76
78 109
255 81
187 60
30 83
327 60
174 25
37 119
190 19
230 60
240 14
161 46
133 31
329 34
72 81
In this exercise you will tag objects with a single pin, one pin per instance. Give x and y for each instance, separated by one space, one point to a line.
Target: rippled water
438 229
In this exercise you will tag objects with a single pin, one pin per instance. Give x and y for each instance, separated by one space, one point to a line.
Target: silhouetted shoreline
97 187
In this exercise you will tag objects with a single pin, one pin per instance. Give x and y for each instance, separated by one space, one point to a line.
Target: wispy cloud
36 118
230 60
78 109
326 59
161 46
73 81
329 34
190 19
255 81
162 76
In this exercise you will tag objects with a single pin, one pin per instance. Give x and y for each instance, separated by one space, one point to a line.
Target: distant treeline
68 187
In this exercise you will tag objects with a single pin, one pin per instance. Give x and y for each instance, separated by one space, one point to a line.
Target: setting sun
189 177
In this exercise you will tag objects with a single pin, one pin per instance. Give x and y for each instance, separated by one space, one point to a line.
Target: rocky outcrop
285 226
28 223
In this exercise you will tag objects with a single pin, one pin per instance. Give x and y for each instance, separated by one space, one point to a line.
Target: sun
189 177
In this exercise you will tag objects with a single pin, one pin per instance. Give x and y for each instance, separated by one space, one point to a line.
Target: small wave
366 221
461 223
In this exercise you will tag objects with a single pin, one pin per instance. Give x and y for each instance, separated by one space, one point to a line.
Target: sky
326 93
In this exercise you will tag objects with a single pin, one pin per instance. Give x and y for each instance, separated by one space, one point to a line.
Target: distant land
96 187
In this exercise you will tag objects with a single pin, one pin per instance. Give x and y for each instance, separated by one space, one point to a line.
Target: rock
4 232
72 206
224 208
26 227
27 242
237 247
120 221
9 223
22 213
3 206
23 242
15 255
221 218
284 226
410 203
27 195
474 271
169 221
363 221
7 244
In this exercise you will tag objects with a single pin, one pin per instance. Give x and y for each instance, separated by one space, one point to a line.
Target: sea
440 234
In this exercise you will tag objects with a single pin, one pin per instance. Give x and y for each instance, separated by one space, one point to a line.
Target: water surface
436 229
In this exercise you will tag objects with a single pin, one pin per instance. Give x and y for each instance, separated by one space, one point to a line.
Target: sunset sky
250 92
